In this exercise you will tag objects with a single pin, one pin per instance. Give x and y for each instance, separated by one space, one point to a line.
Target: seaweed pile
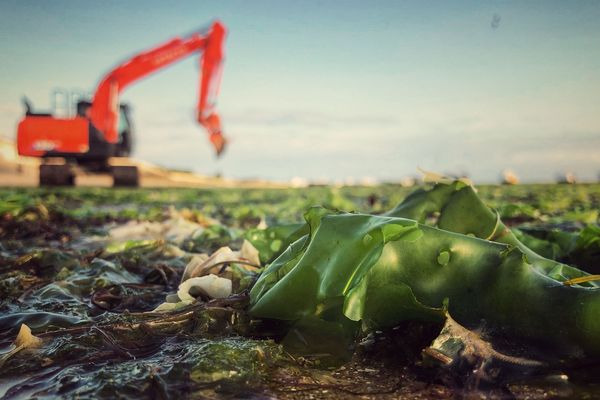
442 296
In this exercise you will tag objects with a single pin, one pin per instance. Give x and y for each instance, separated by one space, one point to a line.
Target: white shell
211 285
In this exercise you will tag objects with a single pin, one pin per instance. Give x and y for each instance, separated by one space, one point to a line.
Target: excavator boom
104 110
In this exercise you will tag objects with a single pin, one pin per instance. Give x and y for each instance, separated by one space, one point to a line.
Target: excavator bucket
212 123
218 142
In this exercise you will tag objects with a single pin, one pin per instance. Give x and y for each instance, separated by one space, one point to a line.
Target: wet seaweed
88 299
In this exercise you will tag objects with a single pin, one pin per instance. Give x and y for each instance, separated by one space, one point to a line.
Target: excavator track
125 176
56 175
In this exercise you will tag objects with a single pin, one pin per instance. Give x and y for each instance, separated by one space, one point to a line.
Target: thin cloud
305 118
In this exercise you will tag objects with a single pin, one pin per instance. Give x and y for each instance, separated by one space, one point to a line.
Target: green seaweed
380 270
86 298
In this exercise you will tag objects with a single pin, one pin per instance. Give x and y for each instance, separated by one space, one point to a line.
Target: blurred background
331 91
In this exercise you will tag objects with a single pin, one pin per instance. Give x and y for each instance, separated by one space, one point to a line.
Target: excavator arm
104 111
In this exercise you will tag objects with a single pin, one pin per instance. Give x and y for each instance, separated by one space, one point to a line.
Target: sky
335 90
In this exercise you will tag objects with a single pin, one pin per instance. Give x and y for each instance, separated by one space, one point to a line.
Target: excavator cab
124 144
123 175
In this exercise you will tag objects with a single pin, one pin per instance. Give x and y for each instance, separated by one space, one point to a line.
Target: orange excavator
101 132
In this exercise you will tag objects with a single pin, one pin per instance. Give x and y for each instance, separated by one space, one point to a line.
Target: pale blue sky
336 89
